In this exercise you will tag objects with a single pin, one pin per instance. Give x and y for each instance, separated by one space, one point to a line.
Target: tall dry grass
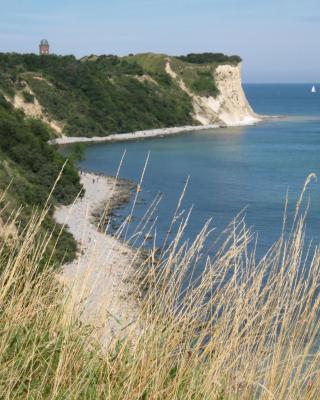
242 329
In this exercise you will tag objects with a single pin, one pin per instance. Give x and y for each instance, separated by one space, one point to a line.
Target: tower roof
44 42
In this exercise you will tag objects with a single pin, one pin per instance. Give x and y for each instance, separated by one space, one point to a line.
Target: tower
44 47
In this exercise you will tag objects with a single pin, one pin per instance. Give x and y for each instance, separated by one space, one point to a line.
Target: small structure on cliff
44 47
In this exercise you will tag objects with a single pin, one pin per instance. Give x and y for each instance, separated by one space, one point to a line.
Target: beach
118 137
153 133
99 280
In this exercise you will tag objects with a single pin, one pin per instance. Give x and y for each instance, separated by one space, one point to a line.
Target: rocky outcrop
146 78
229 108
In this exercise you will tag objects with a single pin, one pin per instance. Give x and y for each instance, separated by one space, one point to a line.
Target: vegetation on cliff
96 96
198 77
29 168
209 58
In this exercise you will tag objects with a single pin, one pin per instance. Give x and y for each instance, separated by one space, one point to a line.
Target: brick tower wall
44 49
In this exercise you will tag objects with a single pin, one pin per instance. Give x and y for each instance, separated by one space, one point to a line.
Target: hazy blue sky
278 39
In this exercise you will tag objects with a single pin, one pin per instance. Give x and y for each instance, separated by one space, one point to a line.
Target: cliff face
230 107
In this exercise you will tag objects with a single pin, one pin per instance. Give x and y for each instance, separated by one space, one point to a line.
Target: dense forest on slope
29 168
108 94
97 96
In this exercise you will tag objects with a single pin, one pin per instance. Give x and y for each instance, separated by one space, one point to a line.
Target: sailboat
313 90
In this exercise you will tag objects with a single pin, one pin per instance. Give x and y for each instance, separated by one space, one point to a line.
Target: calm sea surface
230 169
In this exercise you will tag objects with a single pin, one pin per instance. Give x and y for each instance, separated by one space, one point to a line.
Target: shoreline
100 279
118 137
160 132
150 133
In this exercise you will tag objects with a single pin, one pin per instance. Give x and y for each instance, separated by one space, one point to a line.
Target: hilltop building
44 47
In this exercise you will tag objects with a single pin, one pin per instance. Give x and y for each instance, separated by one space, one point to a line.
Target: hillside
52 96
97 96
29 168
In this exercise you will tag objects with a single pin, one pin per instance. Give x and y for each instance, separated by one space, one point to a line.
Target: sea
230 171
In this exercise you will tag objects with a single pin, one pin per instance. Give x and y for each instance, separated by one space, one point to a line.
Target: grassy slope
198 77
107 94
257 337
28 170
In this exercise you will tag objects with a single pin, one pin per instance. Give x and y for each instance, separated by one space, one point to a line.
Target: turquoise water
230 169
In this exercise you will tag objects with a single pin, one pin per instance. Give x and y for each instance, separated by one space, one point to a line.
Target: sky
278 40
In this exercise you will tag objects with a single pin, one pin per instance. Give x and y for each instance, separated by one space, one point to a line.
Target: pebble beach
98 280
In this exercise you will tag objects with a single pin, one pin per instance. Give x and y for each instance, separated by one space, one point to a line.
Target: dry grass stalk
241 329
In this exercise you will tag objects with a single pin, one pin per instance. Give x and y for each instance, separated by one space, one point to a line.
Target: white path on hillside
98 278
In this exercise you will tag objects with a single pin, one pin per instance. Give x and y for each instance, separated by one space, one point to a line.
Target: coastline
117 137
150 133
100 279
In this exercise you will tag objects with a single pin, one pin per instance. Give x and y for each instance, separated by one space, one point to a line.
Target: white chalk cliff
230 107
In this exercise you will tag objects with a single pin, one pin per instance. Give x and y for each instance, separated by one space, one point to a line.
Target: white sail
313 90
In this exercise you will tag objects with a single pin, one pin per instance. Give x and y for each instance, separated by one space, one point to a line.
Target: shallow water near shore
230 169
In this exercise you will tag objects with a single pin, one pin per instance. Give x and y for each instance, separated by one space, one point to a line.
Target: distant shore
150 133
117 137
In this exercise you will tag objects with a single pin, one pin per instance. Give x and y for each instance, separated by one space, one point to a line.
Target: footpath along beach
100 278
